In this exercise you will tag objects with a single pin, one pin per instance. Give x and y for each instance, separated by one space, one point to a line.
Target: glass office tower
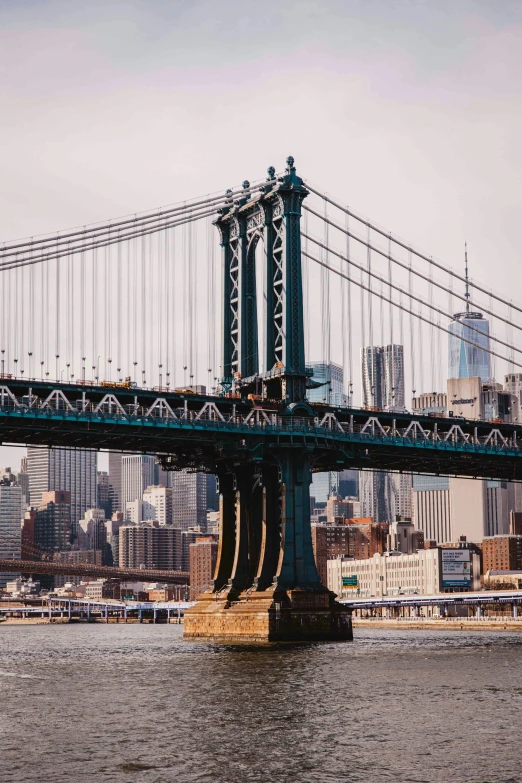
469 359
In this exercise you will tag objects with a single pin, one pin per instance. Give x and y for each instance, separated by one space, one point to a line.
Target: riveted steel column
270 528
227 530
296 566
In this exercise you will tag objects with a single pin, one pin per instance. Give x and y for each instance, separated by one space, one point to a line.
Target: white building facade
157 504
137 473
392 574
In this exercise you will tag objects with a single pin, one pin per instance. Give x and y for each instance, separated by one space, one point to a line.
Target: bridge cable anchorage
407 266
408 247
419 315
411 296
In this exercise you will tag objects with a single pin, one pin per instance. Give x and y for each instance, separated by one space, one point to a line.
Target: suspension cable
398 288
403 265
407 310
160 214
405 246
120 237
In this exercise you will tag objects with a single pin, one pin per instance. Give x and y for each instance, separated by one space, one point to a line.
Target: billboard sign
456 568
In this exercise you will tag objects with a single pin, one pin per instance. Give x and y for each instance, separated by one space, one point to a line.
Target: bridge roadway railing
358 426
446 599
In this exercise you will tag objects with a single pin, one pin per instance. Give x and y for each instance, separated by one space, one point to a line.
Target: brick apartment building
203 557
502 553
357 538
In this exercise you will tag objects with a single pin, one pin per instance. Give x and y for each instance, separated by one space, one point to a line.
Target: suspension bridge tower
266 585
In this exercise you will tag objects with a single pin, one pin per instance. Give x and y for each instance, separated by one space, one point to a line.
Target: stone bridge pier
266 585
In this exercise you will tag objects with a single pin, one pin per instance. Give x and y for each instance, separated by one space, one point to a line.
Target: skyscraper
137 473
10 527
104 493
382 368
468 342
189 499
331 376
383 496
52 526
71 470
157 505
115 458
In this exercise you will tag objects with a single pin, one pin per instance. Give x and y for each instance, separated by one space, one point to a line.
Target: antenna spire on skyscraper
467 294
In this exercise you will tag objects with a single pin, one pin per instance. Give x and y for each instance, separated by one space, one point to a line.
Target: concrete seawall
455 624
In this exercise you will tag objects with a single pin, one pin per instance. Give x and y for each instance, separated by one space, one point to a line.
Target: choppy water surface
136 703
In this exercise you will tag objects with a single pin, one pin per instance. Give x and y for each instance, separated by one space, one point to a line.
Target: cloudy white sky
409 111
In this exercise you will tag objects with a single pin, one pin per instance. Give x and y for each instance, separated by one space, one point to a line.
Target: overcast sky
408 111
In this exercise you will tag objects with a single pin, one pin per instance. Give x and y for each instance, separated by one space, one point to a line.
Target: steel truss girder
199 430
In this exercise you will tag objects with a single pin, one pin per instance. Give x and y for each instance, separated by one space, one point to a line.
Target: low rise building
75 557
503 580
425 572
94 590
358 538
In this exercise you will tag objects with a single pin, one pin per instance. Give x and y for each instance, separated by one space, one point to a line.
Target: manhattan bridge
137 335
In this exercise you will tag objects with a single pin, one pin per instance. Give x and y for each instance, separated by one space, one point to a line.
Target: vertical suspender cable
210 296
94 323
370 318
57 321
82 312
185 265
412 330
68 313
4 328
47 320
106 313
168 305
350 336
127 308
194 266
135 307
325 315
143 313
344 335
16 330
213 323
364 352
420 353
119 285
30 345
161 294
306 288
151 279
190 313
433 358
9 321
173 307
493 358
393 354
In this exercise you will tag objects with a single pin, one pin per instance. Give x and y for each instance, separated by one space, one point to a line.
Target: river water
136 703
